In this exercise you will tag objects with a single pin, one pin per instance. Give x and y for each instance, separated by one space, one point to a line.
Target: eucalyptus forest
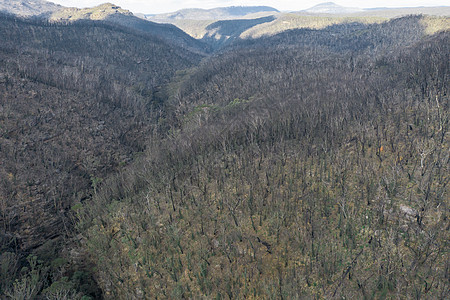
137 162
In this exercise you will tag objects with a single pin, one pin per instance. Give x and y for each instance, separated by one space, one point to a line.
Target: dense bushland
309 164
77 103
313 163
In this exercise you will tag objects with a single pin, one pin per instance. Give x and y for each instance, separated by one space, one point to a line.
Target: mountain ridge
109 12
106 12
206 30
218 13
331 8
29 8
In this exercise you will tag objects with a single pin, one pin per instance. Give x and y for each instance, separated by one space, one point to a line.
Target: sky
162 6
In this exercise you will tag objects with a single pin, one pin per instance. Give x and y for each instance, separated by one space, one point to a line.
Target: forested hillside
77 103
221 33
313 164
28 8
111 13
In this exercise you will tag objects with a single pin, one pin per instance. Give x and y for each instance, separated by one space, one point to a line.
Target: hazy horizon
156 7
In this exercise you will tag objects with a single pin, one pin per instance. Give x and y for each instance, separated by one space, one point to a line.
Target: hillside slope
29 8
352 36
223 33
313 164
77 101
106 12
114 14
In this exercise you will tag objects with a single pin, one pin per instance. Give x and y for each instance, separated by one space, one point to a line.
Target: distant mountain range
246 12
107 12
220 26
219 13
204 30
331 8
44 8
29 7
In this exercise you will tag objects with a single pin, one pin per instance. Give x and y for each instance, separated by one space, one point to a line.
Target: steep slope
112 13
77 101
290 21
218 26
352 37
106 12
29 8
222 33
292 170
286 22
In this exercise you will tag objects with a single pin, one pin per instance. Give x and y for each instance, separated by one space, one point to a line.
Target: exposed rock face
100 12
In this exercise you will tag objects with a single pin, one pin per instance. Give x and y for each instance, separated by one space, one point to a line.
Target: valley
238 152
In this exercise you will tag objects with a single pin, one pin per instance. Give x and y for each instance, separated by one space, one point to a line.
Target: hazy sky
159 6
